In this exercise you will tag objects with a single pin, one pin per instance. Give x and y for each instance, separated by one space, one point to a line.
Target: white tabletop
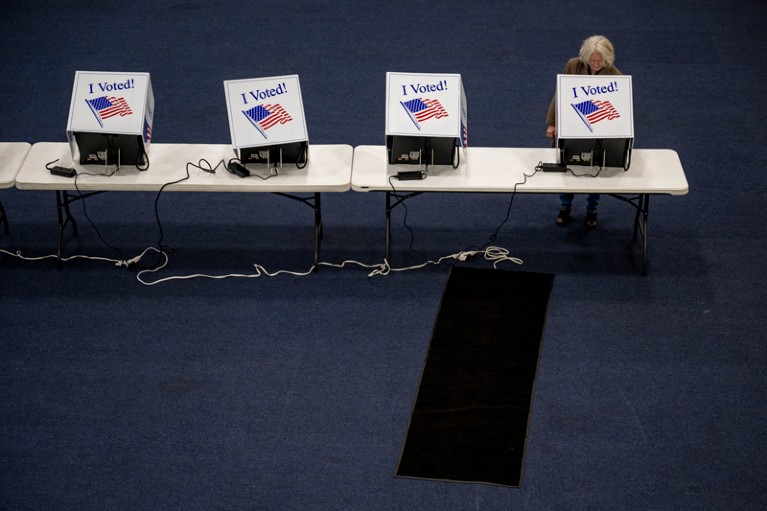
328 170
495 169
12 155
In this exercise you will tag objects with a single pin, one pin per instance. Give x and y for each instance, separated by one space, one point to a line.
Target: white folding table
12 156
328 170
507 170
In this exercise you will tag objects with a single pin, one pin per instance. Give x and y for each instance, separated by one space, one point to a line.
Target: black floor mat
470 418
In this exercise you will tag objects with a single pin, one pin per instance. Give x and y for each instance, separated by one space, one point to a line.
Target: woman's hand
551 131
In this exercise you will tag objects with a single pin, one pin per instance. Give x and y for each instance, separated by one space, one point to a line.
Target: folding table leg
64 215
4 219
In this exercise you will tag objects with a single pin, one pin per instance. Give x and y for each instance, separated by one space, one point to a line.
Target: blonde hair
599 44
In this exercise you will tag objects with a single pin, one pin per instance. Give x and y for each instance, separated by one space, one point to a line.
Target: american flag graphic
264 117
464 135
106 107
147 131
594 111
421 110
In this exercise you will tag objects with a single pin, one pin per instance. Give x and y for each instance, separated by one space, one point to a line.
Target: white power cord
120 263
495 254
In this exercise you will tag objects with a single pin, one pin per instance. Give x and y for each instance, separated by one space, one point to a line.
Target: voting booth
266 120
110 119
595 120
425 119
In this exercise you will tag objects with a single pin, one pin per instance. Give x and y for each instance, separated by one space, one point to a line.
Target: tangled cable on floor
494 254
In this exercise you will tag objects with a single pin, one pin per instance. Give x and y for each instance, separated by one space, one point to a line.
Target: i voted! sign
115 103
426 105
594 106
265 111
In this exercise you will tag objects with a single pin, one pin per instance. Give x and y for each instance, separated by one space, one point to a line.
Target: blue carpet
295 393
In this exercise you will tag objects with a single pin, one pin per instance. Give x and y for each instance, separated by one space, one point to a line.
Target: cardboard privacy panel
265 111
599 106
426 105
108 105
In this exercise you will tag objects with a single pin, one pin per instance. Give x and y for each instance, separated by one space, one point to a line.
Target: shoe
591 219
563 218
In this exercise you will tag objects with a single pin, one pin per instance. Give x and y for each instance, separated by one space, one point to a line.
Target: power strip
63 171
553 167
411 175
238 169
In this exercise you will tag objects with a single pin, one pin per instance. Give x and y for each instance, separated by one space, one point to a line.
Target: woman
597 57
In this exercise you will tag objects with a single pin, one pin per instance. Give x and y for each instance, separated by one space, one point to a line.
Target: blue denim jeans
592 201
